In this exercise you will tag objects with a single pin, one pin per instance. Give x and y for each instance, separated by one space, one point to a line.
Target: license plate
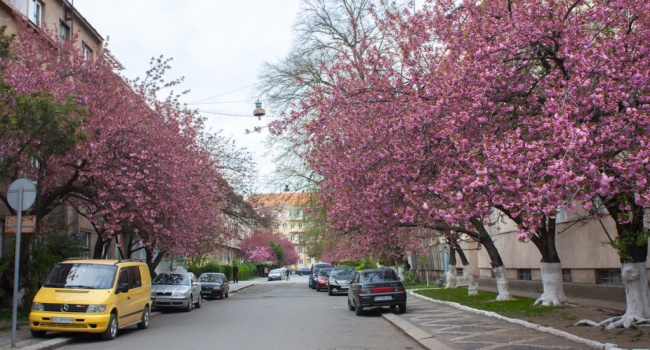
386 297
62 319
165 300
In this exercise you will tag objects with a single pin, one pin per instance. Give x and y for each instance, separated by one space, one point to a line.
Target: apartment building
292 220
59 20
590 266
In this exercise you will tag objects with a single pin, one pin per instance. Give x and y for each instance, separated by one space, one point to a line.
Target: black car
313 273
376 288
214 285
302 271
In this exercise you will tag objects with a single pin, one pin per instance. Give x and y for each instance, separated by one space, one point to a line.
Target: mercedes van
92 296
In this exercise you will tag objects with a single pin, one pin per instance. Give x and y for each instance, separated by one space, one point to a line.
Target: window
609 277
293 225
35 12
300 237
86 51
284 226
566 275
300 262
309 261
301 249
300 225
524 274
64 33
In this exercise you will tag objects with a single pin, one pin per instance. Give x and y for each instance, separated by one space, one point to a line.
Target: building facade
292 220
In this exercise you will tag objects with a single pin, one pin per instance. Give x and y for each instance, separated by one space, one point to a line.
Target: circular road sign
29 194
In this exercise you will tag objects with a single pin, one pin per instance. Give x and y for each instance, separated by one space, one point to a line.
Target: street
268 315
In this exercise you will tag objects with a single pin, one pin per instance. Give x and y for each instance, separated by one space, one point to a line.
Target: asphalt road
273 315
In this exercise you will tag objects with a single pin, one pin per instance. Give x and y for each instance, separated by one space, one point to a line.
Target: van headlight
38 306
96 308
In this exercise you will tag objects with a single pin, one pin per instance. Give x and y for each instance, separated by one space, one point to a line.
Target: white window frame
35 12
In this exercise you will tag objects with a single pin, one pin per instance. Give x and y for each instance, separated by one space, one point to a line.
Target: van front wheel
111 329
144 322
37 334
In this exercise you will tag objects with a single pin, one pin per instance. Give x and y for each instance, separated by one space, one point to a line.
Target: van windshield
84 276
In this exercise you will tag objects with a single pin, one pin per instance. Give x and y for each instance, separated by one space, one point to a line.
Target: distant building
292 219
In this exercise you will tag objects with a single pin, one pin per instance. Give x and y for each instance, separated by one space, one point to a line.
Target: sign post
21 196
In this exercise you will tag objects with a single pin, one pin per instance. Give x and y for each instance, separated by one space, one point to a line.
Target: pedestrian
235 272
287 271
266 271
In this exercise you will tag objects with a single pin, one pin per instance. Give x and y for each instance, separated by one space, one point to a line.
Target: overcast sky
219 47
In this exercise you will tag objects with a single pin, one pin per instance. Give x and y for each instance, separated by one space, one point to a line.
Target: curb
425 339
550 330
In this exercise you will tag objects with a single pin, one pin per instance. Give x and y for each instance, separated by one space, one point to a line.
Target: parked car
176 290
89 295
340 278
376 288
322 280
302 271
313 273
214 285
276 274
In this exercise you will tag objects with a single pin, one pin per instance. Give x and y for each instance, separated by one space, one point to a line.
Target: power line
225 93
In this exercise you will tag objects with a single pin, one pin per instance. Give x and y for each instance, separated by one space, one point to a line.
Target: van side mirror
122 288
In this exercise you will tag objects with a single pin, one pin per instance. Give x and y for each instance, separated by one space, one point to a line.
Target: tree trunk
553 285
450 276
495 259
502 283
637 294
472 282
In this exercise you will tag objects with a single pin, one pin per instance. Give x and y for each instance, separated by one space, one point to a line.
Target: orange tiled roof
281 199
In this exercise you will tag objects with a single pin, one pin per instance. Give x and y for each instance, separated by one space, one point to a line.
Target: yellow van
92 296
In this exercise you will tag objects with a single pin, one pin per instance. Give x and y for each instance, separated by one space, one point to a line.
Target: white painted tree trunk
502 283
472 282
552 284
637 294
450 277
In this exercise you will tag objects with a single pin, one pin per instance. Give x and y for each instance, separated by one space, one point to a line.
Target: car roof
99 261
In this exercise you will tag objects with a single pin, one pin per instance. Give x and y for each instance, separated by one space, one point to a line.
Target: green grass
6 316
518 307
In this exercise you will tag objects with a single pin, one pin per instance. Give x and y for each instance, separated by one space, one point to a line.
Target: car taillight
401 289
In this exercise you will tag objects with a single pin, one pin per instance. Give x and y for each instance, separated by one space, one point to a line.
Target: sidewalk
25 341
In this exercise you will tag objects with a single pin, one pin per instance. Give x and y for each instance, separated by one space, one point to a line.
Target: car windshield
276 271
347 271
175 279
84 276
378 276
324 272
210 278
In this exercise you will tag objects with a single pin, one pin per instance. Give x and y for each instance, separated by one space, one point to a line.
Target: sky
218 46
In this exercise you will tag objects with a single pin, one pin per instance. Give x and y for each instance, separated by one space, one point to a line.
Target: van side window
124 277
135 278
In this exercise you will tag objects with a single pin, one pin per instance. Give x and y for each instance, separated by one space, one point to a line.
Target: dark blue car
313 273
302 271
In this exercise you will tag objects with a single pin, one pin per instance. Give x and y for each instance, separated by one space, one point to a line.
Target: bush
246 270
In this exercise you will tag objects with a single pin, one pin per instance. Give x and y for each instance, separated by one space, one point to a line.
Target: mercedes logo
65 307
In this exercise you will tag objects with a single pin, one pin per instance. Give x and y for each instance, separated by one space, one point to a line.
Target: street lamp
259 111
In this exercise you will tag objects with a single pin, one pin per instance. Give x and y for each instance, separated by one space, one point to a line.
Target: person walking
287 271
235 273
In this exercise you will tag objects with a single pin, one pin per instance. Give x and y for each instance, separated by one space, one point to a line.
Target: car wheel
198 303
144 321
111 330
358 310
402 308
350 307
37 334
188 308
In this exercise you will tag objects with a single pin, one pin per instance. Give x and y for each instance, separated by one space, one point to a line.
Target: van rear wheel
144 321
